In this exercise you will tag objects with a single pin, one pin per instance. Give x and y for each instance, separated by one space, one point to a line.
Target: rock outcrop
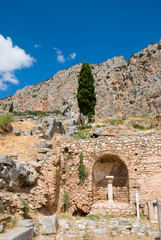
15 174
121 88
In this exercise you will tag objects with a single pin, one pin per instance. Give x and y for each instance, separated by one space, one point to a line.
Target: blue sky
53 35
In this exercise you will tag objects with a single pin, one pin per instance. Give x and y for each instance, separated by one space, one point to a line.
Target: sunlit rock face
121 88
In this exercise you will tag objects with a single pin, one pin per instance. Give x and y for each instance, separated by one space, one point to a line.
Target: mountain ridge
121 88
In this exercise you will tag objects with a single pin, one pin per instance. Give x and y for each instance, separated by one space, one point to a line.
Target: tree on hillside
11 107
86 96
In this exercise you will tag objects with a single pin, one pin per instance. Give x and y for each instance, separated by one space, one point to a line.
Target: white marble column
110 188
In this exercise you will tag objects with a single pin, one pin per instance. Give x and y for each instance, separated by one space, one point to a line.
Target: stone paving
94 228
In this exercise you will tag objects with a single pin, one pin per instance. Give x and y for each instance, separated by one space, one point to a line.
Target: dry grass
24 146
25 125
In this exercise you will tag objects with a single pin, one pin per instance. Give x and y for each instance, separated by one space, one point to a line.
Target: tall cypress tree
86 96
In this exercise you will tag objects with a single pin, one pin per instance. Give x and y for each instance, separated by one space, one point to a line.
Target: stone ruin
134 163
117 166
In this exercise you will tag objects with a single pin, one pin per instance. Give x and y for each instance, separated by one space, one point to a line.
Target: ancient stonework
121 88
133 161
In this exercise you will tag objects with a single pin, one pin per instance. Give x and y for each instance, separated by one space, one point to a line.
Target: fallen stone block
43 150
19 234
16 132
26 223
44 144
28 132
48 224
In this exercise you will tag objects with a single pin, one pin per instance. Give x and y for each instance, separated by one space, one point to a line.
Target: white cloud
72 56
61 58
37 46
11 59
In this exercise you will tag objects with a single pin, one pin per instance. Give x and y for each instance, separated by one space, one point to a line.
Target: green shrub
57 112
11 108
141 55
114 88
159 47
81 170
99 126
141 127
90 117
148 54
131 101
5 120
81 127
65 206
82 135
25 208
116 121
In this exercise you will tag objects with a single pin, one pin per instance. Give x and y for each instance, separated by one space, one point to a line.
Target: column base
110 201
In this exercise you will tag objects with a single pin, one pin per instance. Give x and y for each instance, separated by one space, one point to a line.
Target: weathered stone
152 233
44 144
16 132
72 122
95 133
48 134
19 234
8 128
43 150
124 222
48 224
27 174
139 234
1 228
71 130
46 238
40 127
26 223
36 165
28 132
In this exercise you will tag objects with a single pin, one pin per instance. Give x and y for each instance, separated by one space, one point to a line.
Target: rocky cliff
121 88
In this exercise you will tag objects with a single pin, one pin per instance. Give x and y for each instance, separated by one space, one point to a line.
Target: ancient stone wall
135 160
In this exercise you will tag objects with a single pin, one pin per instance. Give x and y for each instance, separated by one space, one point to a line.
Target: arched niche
110 165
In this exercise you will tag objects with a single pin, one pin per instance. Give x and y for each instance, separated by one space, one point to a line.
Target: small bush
159 47
148 54
81 127
141 55
65 206
89 117
114 88
82 135
81 170
99 126
131 101
141 127
116 121
11 108
5 120
25 208
57 112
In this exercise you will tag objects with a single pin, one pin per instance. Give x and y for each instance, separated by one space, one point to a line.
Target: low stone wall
140 153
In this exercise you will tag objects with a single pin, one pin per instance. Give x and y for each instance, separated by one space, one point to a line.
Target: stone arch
110 165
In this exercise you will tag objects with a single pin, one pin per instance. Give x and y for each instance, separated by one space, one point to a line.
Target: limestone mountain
121 88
